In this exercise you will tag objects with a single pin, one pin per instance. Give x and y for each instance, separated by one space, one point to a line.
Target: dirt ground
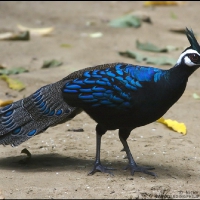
61 159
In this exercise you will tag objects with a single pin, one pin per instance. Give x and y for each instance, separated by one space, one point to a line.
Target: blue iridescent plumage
120 81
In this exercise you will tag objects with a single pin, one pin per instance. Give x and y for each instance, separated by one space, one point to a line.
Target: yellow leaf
36 31
5 103
176 126
163 3
13 83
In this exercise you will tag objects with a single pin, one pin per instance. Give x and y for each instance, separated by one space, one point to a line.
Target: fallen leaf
141 15
2 66
66 45
151 47
126 21
176 126
160 60
26 152
36 31
15 36
196 96
13 83
96 35
27 159
173 15
163 3
131 54
5 103
51 63
178 30
76 130
16 70
90 23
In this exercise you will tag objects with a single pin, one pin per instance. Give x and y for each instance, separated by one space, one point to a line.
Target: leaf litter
23 36
130 19
13 83
126 21
161 60
36 31
195 96
16 70
5 102
163 3
51 63
147 46
174 125
27 159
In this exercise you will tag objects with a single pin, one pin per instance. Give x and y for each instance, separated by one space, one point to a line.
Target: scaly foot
98 167
137 168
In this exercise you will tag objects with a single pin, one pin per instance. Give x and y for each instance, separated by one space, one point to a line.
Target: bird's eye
194 57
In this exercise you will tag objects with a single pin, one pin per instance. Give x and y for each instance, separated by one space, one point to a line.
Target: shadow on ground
57 162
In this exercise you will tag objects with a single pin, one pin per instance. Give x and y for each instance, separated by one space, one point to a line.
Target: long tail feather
30 116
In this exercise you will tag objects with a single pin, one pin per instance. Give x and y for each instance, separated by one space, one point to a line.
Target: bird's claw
137 168
100 168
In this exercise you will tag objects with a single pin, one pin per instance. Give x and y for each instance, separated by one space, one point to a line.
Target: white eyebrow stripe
184 53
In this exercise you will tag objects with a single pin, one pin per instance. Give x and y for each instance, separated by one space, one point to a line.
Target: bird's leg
97 164
123 135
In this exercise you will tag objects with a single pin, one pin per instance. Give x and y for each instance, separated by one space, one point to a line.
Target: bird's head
190 56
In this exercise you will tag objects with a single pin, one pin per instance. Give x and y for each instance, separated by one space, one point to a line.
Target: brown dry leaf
163 3
5 103
15 36
2 66
27 152
178 30
28 158
36 31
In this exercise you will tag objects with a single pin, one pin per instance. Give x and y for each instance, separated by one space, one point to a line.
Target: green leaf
131 54
126 21
151 47
196 96
66 45
16 70
51 63
161 60
173 15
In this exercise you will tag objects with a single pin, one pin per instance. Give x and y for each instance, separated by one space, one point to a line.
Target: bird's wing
111 87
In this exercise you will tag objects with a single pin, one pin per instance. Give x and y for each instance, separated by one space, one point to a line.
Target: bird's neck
180 74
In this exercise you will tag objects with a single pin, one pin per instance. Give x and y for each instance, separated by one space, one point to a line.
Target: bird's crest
192 40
